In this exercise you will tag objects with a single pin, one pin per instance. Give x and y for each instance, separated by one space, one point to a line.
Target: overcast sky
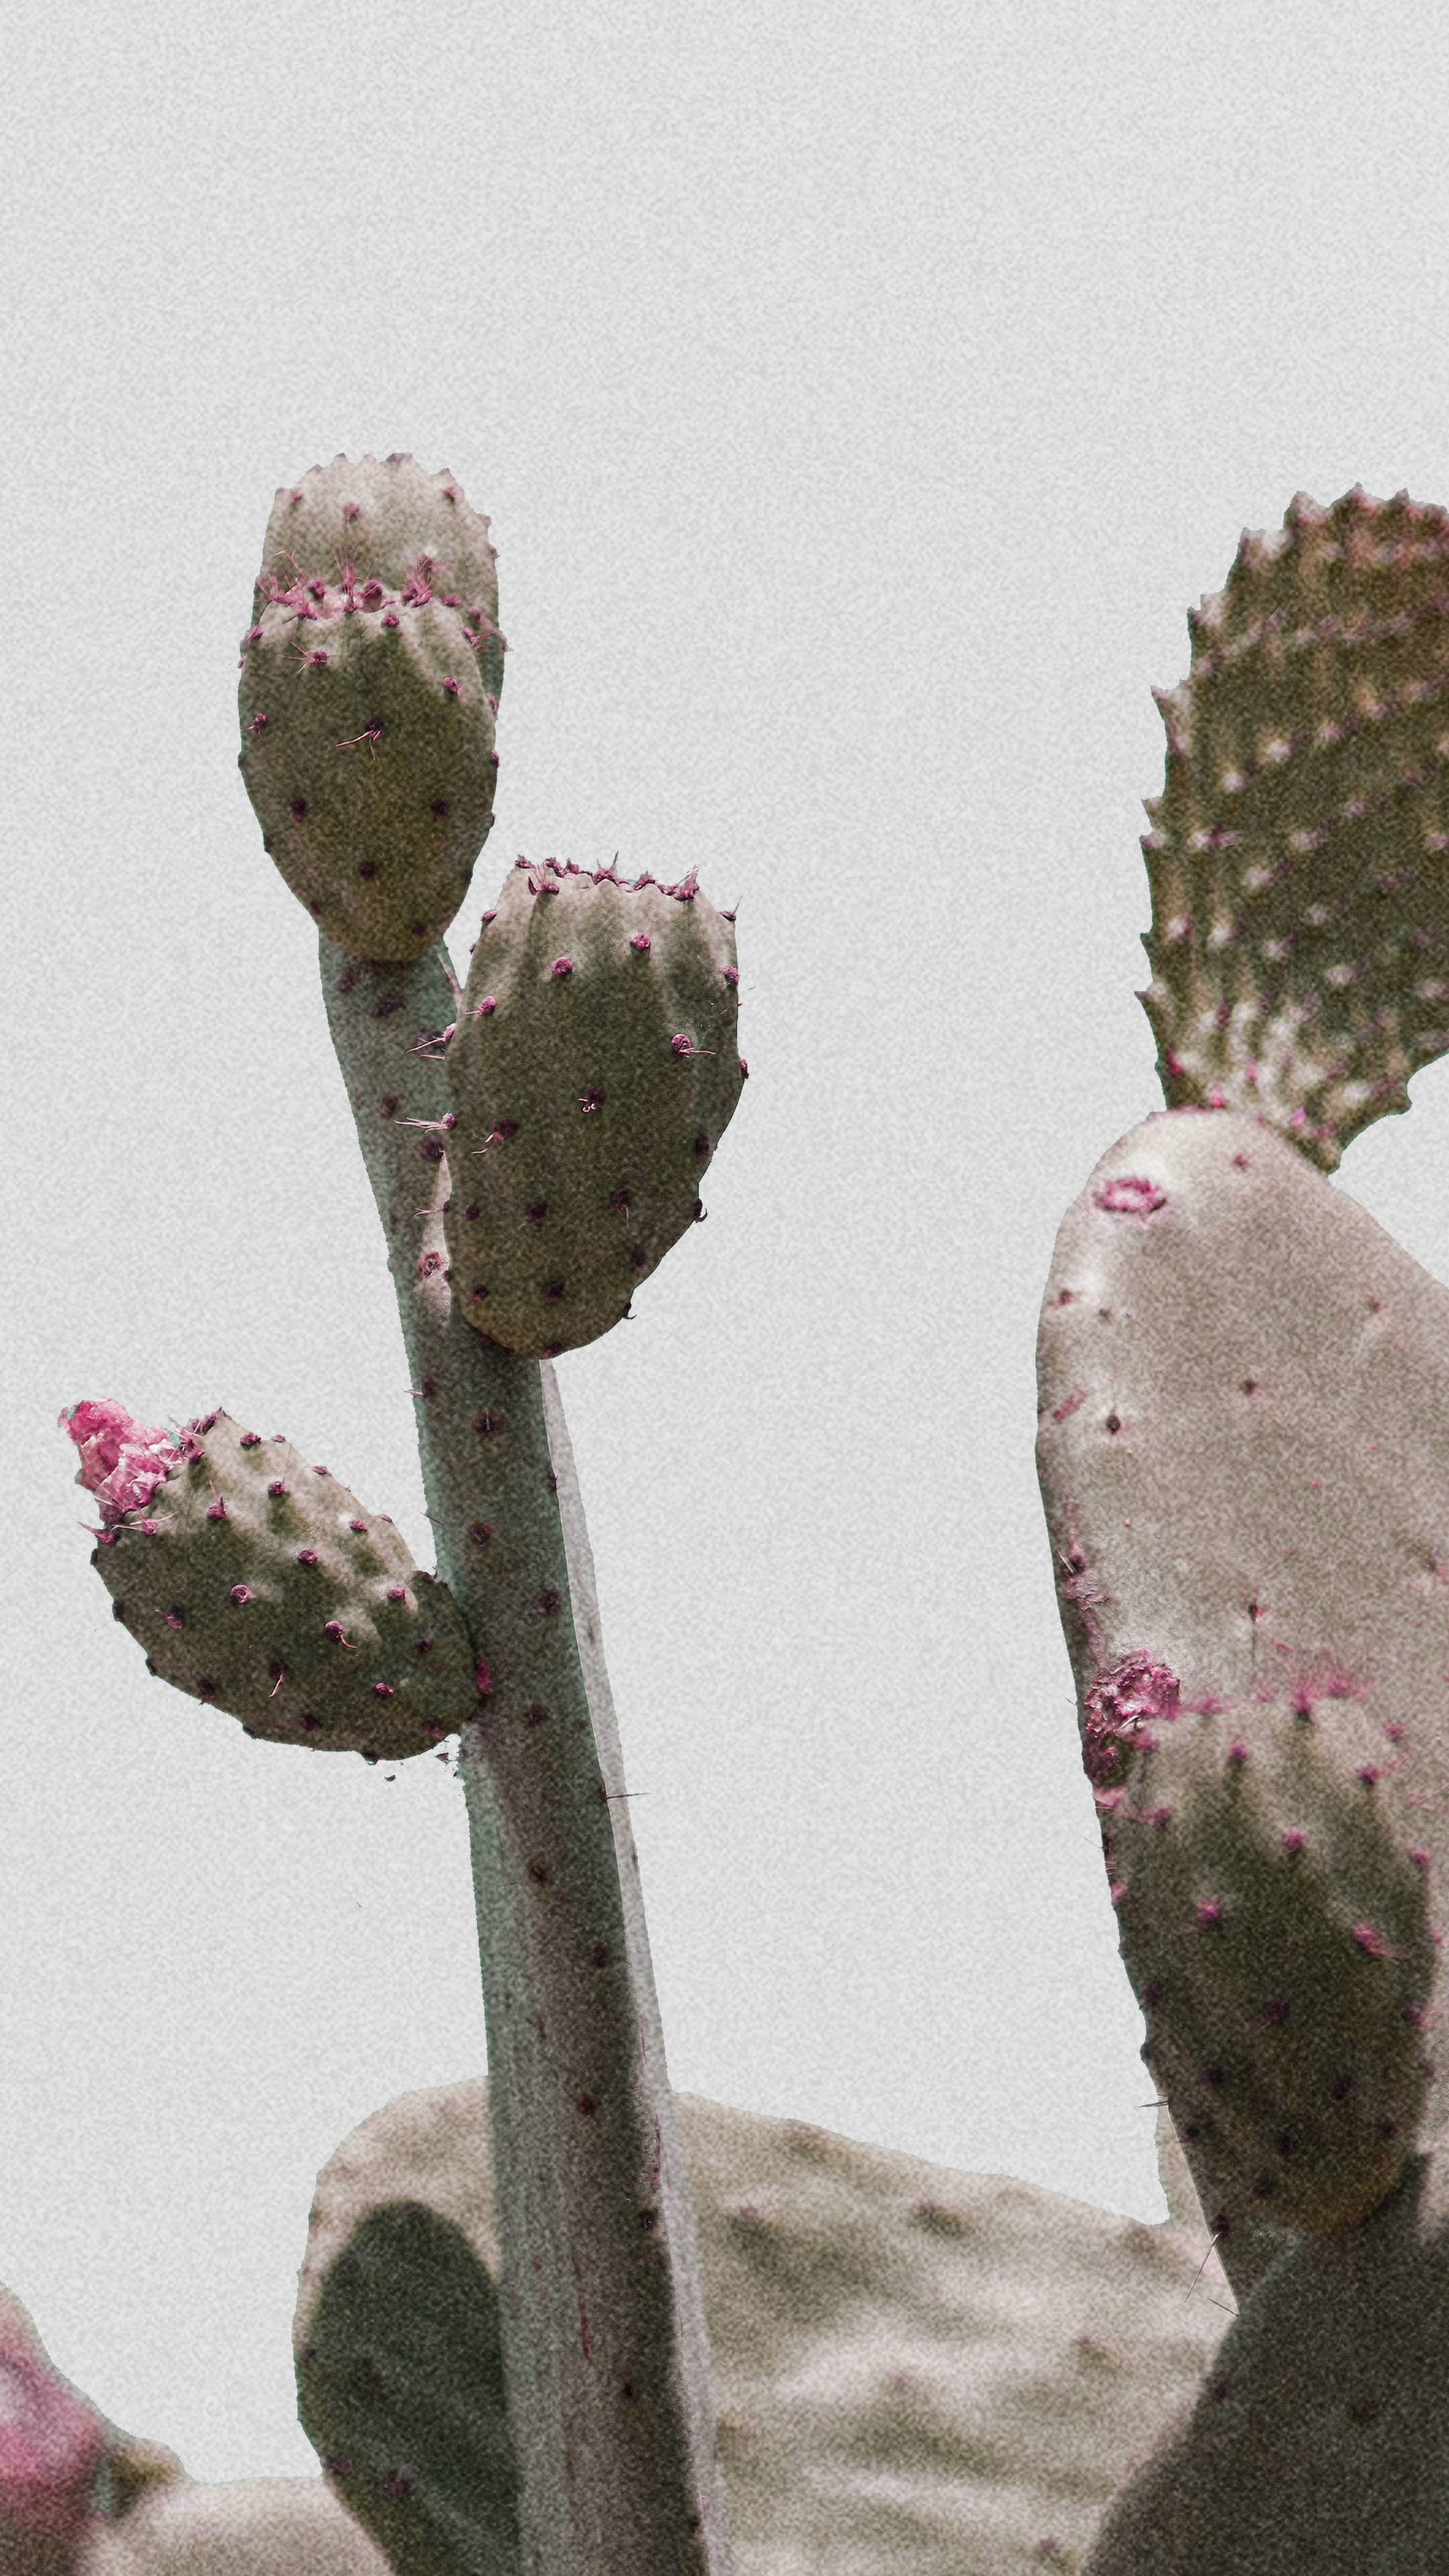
861 395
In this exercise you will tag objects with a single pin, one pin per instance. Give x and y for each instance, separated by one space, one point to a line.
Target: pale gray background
861 394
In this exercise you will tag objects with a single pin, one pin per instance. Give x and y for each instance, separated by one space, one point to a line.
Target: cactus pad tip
1299 852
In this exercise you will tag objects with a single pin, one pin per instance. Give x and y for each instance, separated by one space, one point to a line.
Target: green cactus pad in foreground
400 2391
919 2372
258 1584
594 1067
1276 1933
368 697
1299 855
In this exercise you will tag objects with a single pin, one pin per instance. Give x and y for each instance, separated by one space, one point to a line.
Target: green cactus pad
593 1070
1243 1450
400 2390
258 1584
1277 1937
396 2339
1318 2439
1299 855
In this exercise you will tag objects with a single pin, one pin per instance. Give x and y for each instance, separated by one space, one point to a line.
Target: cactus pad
397 2343
1299 855
400 2390
258 1584
592 1071
368 694
1276 1933
1243 1449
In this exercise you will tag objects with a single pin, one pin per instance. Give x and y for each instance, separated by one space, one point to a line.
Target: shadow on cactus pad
400 2388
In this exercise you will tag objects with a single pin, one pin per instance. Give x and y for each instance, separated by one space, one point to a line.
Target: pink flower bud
122 1463
50 2449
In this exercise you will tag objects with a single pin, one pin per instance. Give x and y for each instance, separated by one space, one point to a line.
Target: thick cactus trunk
610 2398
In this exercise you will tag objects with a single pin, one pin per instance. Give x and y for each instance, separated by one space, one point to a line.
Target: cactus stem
616 2450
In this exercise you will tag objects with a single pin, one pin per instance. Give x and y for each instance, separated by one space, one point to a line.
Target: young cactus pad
67 2474
1299 855
259 1584
1277 1935
368 693
594 1067
1243 1450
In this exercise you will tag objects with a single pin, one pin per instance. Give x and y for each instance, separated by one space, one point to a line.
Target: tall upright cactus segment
1243 1387
593 1069
1299 855
369 689
606 2356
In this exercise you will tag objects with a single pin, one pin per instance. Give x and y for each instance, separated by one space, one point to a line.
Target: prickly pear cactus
1275 1928
258 1584
1299 856
1243 1450
592 1071
1243 1383
369 687
368 691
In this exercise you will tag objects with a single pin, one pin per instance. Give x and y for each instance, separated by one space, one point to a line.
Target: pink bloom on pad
50 2449
122 1463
